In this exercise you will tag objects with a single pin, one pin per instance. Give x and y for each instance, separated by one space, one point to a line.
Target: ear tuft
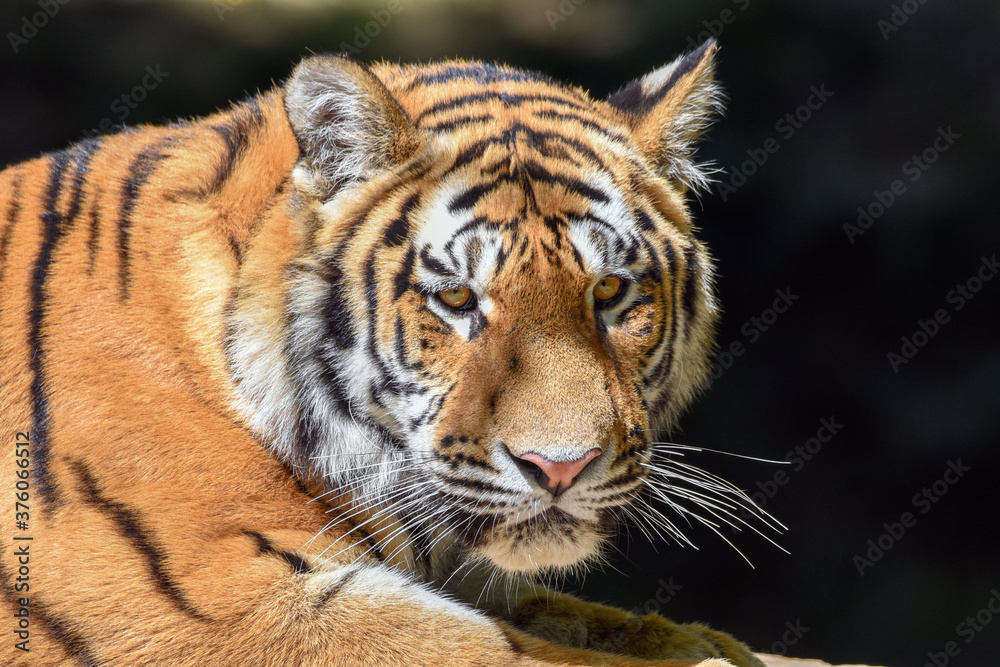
669 110
348 124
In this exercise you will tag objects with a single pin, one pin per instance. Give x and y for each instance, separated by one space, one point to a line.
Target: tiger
349 372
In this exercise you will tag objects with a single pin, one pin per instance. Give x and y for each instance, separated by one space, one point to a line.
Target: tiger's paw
571 622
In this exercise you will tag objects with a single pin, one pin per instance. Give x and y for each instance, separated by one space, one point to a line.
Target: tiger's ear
348 125
669 109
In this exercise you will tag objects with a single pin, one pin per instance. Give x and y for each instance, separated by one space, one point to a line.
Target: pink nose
557 476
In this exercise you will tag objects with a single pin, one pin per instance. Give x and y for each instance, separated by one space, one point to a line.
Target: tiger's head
496 296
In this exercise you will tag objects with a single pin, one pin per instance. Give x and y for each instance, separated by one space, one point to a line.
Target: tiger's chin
543 548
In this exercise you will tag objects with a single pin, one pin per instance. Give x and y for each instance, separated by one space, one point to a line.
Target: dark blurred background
834 105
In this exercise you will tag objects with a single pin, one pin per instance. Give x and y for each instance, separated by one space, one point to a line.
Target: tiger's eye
608 288
456 297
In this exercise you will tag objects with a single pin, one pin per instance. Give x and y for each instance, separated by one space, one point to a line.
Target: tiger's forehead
430 93
515 226
529 172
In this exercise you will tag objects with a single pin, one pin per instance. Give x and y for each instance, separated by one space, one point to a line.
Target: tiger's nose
557 476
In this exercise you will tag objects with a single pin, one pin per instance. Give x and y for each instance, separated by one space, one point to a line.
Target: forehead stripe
539 173
432 264
398 229
585 121
480 73
460 121
535 138
511 99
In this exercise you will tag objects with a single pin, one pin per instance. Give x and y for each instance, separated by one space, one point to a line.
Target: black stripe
432 264
502 255
401 355
472 259
87 150
480 73
402 279
338 316
510 99
65 634
458 459
475 484
54 226
332 592
459 121
474 152
664 368
622 479
646 223
655 268
643 300
693 269
94 235
130 524
585 121
373 546
13 212
244 119
472 195
428 415
139 171
386 380
537 139
477 325
371 301
48 491
632 254
399 228
60 630
671 259
537 172
266 548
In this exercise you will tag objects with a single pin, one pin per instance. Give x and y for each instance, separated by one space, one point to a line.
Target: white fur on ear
348 124
669 110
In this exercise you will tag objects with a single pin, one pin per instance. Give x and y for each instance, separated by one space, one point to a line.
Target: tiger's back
210 325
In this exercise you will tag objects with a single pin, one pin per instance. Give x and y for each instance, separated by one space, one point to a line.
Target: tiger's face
497 297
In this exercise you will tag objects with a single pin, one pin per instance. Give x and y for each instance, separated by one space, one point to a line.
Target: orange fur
183 304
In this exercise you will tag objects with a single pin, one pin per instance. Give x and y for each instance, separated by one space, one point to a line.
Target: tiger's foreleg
569 621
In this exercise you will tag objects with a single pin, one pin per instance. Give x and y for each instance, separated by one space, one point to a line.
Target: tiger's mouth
551 539
536 531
